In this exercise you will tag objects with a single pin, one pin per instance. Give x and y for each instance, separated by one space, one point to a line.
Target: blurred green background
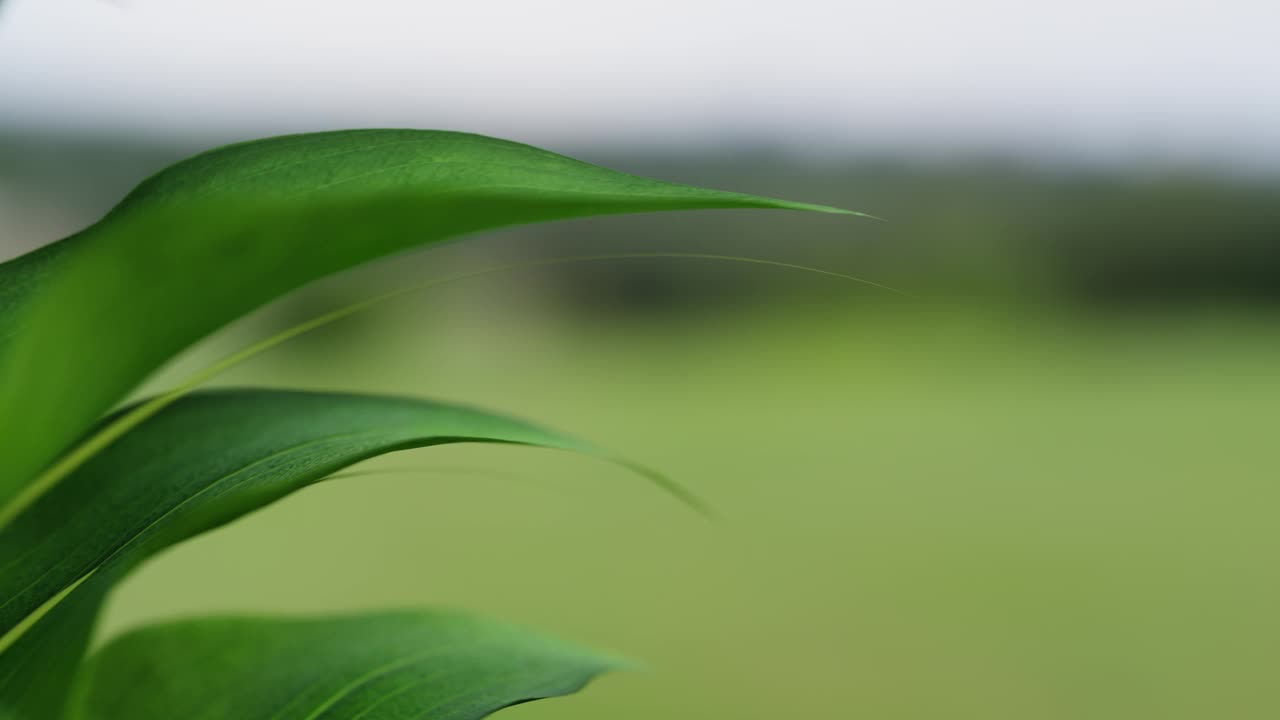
1043 486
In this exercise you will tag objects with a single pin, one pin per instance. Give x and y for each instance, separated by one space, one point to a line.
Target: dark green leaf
202 462
37 671
389 666
220 234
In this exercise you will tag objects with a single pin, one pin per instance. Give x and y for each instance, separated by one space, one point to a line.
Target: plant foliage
86 495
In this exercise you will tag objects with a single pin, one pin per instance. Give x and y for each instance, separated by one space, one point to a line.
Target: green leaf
204 461
222 233
38 670
389 666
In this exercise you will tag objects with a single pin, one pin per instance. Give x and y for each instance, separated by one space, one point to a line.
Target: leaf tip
825 209
671 487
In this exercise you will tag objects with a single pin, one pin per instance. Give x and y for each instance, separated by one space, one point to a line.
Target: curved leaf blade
388 666
222 233
208 459
201 463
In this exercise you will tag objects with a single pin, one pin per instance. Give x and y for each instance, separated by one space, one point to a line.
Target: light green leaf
218 235
202 462
388 666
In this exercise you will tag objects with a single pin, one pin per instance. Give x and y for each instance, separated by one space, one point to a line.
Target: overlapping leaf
84 320
388 666
220 234
202 462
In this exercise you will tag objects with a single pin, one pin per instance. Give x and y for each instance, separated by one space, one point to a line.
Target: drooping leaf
202 462
220 234
388 666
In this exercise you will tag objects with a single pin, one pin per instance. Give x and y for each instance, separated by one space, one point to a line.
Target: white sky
1162 79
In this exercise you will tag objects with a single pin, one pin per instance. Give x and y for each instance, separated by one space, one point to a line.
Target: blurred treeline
974 228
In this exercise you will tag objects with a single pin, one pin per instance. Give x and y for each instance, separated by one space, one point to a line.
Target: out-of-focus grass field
924 511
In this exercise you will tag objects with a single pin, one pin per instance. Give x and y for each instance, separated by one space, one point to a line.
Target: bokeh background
1043 486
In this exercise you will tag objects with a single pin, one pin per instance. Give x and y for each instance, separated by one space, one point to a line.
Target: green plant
86 498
